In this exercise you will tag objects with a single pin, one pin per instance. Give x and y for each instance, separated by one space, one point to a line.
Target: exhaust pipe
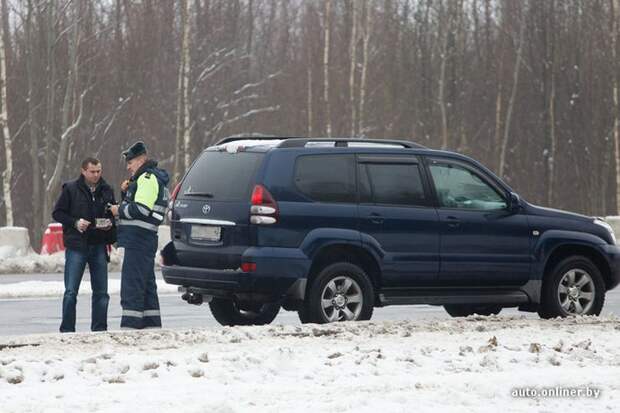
192 298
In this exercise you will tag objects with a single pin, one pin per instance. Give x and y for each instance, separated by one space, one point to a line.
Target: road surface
43 315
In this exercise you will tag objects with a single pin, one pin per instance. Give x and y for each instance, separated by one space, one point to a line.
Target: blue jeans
75 263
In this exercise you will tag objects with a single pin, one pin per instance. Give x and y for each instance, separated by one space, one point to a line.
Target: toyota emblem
206 209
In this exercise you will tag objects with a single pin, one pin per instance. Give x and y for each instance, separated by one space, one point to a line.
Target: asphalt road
43 315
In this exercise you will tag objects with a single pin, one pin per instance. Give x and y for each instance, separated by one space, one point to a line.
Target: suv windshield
221 176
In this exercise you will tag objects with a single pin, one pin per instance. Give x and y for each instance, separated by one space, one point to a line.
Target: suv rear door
482 242
397 216
210 216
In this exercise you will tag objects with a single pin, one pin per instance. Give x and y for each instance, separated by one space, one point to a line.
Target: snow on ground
29 289
471 364
34 263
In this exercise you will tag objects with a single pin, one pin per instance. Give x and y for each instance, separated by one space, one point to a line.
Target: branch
112 117
211 70
246 115
63 145
253 85
236 101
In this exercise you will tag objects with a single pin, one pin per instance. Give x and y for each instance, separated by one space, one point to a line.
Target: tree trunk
4 117
550 63
552 140
442 79
51 104
180 115
327 22
353 63
35 230
187 106
513 94
368 9
616 104
68 130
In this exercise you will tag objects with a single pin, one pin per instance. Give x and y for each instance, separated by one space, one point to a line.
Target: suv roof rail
344 142
299 142
253 138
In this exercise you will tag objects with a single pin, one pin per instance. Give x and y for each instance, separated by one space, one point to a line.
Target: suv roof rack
298 142
253 138
344 142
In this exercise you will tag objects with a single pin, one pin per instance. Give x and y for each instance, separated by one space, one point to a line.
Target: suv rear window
222 176
326 178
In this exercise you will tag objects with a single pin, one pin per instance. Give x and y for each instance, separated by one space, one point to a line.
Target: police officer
141 211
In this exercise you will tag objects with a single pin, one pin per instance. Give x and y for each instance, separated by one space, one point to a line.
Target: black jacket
75 202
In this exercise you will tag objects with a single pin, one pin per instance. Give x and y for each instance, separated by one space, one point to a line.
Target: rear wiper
205 194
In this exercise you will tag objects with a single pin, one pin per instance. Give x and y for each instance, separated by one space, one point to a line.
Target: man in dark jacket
87 227
145 197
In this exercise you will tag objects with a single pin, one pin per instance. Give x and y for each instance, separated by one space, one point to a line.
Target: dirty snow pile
32 262
54 263
471 364
32 289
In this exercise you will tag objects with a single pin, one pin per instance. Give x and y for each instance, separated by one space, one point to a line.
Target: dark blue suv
332 228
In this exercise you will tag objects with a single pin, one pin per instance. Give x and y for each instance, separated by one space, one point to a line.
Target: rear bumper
612 253
280 272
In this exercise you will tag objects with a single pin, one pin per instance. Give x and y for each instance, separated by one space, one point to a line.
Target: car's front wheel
573 287
340 292
464 310
230 313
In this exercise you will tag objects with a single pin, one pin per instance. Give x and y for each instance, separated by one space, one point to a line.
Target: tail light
173 198
175 192
248 266
264 210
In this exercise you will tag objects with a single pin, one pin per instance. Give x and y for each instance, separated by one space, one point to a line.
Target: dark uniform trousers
138 287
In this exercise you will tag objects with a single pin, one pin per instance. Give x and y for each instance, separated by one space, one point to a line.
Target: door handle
453 222
376 218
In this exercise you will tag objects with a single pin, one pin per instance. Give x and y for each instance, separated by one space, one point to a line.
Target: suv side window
326 178
460 188
392 184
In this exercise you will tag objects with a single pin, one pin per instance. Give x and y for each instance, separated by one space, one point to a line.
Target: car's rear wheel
573 287
340 292
229 313
464 310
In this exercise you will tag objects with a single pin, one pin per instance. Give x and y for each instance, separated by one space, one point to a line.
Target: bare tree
33 126
549 65
326 31
614 34
352 67
4 117
68 129
447 33
183 101
368 12
515 85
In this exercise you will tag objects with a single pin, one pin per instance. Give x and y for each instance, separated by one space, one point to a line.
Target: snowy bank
16 256
55 263
33 289
33 263
472 364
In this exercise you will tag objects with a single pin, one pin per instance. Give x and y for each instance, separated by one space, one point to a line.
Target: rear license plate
206 233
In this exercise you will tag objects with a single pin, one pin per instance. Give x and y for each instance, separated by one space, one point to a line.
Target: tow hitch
192 298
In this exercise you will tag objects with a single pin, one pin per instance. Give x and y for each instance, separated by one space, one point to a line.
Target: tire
573 287
228 313
464 310
347 287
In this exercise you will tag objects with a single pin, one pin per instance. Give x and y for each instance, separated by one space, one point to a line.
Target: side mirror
515 203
